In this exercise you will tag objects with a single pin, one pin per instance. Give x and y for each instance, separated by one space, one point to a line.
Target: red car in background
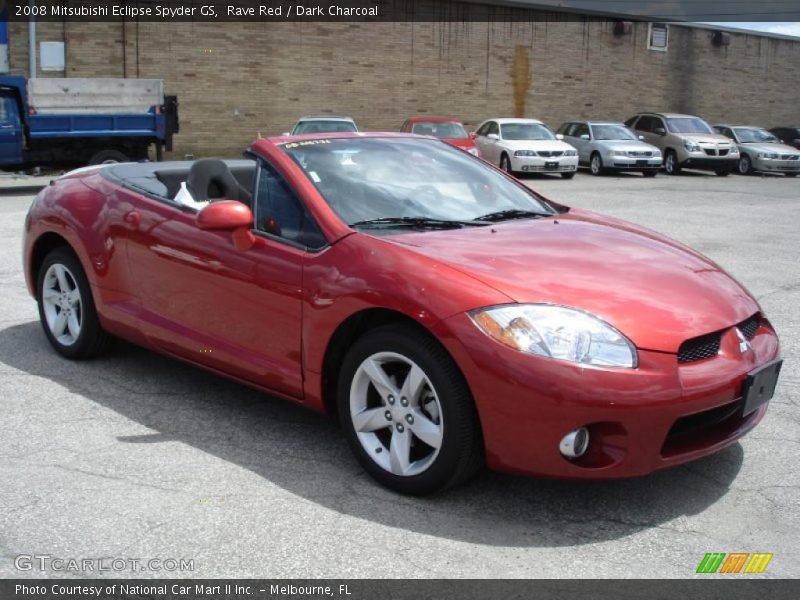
447 313
448 129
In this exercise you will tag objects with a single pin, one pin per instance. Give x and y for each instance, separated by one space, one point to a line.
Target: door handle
133 218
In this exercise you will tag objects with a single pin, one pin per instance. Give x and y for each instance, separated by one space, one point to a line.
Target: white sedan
525 146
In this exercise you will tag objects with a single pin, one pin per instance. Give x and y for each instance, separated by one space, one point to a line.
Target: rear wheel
407 412
596 164
108 157
745 165
671 166
66 307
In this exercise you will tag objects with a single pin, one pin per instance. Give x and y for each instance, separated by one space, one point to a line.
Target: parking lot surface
135 455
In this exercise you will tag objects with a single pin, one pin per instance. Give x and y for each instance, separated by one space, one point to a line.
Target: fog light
574 444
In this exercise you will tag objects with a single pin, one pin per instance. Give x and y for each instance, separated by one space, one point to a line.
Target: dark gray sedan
609 146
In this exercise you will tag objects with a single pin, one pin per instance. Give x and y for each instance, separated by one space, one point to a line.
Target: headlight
557 332
525 153
474 151
691 146
570 153
618 153
734 150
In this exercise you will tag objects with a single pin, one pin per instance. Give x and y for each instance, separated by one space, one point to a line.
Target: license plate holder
759 386
551 164
641 163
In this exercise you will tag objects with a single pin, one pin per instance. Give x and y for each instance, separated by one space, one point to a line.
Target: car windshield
612 132
369 181
688 125
449 130
750 135
323 127
526 131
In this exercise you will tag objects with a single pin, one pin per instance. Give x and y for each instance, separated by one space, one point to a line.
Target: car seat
211 179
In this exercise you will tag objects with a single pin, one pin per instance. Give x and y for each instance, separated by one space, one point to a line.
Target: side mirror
493 136
559 136
641 137
660 131
224 215
585 136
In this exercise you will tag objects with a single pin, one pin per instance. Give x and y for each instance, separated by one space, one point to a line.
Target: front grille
699 348
790 156
706 346
639 153
711 151
750 326
723 152
549 153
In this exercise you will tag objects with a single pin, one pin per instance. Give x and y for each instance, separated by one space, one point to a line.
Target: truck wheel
108 157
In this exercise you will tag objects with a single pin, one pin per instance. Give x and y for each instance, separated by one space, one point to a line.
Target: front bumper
528 403
628 162
710 163
540 164
776 166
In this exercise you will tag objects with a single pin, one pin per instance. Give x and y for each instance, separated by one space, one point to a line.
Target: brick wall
236 80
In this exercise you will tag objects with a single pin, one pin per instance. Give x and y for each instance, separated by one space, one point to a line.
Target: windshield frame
293 151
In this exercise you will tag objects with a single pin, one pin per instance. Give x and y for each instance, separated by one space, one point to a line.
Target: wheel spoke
426 430
74 297
371 419
61 275
60 324
380 380
73 326
413 383
50 295
400 452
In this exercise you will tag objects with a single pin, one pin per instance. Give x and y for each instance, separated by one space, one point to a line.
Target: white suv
525 146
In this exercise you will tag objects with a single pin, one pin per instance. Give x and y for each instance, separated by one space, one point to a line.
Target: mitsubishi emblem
744 345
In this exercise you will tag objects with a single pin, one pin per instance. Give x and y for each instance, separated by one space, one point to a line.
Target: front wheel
505 164
671 166
596 164
407 412
745 165
66 307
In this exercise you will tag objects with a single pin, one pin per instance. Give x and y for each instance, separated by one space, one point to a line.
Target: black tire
505 164
745 165
460 455
671 164
569 175
723 172
650 173
92 339
108 157
596 164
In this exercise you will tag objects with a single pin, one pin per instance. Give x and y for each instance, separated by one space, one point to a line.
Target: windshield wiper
513 213
416 222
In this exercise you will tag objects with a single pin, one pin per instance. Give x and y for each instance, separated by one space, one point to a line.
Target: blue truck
74 121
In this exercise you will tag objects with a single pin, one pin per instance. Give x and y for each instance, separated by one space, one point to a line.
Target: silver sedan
760 151
606 146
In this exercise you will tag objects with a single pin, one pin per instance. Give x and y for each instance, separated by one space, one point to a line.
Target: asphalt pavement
137 456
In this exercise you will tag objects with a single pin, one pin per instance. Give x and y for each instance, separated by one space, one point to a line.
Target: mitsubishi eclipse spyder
446 314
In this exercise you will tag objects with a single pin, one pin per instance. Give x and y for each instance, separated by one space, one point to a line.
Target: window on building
52 56
658 36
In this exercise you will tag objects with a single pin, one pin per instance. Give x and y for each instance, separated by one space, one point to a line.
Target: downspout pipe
32 43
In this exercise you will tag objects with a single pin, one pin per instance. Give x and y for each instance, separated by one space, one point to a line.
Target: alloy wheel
62 303
396 414
596 164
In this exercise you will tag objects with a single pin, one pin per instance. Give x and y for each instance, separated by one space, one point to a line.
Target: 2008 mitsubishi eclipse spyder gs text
448 314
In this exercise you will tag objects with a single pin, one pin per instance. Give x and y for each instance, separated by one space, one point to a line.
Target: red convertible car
447 314
447 129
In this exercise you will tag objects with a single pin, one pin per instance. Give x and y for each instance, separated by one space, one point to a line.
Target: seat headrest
211 179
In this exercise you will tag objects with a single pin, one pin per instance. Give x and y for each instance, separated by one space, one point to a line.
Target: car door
646 126
581 144
487 145
238 311
10 132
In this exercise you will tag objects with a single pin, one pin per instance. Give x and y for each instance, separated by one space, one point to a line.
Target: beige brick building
236 80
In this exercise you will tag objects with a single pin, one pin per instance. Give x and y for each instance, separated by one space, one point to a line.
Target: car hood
626 145
773 148
654 290
547 145
706 138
